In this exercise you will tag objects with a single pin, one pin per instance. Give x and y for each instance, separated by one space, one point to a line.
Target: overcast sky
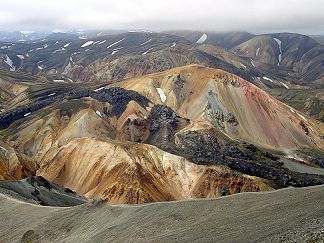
303 16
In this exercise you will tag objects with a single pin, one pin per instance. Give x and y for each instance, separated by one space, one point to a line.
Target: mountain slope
137 173
247 217
236 107
13 84
309 101
37 190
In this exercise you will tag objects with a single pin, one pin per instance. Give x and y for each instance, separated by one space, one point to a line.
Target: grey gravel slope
283 215
38 190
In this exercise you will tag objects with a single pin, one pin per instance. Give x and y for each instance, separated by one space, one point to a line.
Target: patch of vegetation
2 132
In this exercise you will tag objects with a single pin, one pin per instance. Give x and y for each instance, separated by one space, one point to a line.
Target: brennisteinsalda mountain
93 119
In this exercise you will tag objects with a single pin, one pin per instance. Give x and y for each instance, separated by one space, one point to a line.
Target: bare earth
292 214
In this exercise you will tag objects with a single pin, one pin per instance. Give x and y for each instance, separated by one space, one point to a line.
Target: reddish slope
235 106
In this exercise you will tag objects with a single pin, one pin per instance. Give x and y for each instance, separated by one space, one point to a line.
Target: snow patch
145 52
10 63
280 55
98 113
146 42
88 43
96 90
101 42
286 86
99 33
115 43
257 52
51 94
41 48
27 114
173 44
70 80
162 95
116 50
202 39
58 80
243 65
20 57
40 67
302 116
252 63
67 44
59 50
26 32
269 79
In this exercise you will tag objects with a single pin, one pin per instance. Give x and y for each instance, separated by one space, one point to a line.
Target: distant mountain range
272 61
287 58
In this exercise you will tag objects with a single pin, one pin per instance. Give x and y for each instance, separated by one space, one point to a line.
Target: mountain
173 135
239 109
291 55
138 117
12 84
287 215
95 63
226 40
20 36
115 57
59 57
120 171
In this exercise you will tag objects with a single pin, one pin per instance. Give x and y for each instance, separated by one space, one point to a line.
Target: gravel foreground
287 215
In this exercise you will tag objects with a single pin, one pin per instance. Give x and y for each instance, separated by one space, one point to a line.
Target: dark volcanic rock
117 97
206 148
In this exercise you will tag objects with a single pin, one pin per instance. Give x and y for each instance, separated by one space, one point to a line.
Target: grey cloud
303 16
